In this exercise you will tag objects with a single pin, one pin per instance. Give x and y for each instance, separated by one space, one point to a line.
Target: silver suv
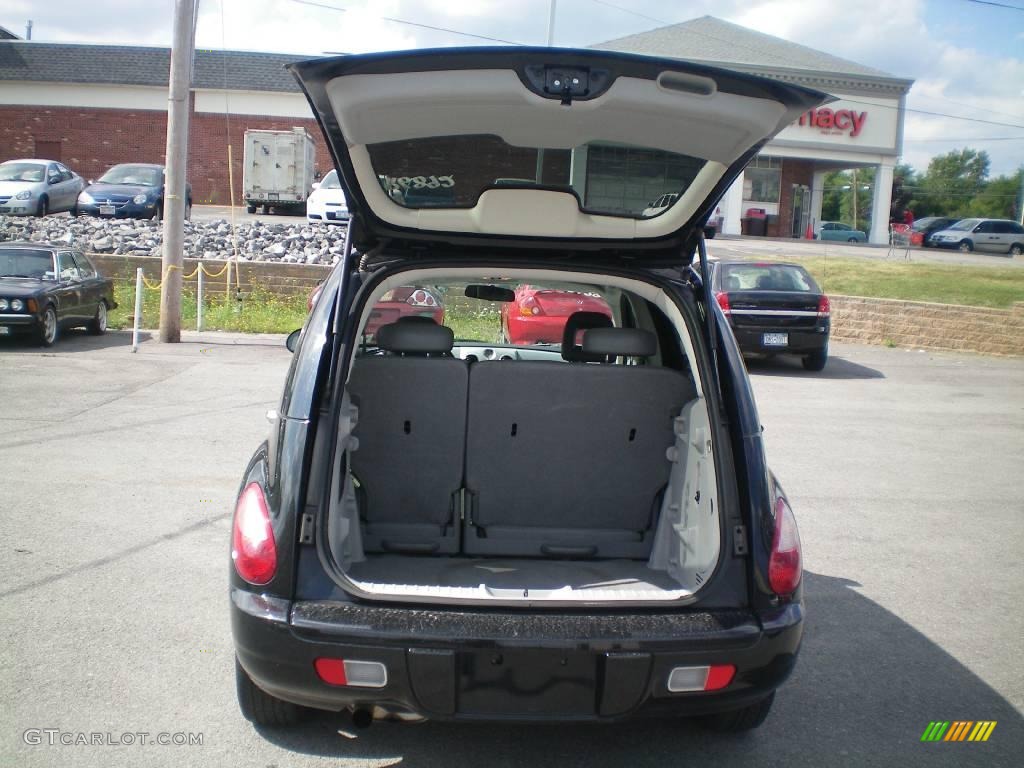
993 235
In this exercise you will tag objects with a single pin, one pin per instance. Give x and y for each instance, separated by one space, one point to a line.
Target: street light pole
179 85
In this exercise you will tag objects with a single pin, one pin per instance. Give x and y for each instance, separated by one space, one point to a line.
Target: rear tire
260 707
43 208
98 325
250 209
1016 249
853 240
188 211
966 246
738 720
816 360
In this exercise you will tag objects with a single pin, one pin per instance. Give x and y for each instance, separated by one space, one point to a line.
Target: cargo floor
509 574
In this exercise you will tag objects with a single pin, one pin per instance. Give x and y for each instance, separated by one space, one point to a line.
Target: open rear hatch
539 147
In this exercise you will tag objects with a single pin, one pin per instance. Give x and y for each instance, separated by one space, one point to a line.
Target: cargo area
579 473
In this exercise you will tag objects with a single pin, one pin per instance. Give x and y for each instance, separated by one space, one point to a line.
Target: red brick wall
92 140
793 172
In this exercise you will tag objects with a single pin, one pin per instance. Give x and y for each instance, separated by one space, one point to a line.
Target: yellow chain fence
155 285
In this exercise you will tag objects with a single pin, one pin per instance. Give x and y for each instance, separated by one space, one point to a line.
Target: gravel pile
257 240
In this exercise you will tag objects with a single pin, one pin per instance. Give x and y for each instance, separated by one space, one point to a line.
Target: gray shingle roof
136 65
712 40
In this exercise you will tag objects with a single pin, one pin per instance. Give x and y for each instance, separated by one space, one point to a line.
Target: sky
966 56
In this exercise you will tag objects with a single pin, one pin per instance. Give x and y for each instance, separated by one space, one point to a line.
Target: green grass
976 286
259 311
263 312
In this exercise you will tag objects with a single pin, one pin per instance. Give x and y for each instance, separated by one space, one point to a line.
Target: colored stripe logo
958 730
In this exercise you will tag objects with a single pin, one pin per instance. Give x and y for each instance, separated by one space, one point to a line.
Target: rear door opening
472 470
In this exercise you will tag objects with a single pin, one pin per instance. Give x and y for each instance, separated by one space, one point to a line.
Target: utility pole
179 86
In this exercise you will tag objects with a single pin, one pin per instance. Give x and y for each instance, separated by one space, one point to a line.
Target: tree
951 182
998 199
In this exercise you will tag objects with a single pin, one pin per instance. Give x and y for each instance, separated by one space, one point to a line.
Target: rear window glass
453 171
767 277
534 314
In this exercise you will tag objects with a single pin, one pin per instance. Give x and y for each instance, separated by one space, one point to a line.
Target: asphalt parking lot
118 474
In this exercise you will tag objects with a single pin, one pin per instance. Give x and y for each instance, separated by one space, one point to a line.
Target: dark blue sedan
129 191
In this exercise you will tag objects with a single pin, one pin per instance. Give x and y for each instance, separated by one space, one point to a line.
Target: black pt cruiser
444 526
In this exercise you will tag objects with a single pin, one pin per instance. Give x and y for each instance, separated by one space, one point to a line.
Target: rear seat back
411 432
569 459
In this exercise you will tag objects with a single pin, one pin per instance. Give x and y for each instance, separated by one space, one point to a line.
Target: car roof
138 165
750 263
28 244
29 160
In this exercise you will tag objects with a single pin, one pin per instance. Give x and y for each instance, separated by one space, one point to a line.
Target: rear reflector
708 678
354 674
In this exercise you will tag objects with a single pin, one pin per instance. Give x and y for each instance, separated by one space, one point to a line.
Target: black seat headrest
582 321
416 319
616 342
416 338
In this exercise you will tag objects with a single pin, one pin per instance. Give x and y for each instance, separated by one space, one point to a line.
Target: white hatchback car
326 203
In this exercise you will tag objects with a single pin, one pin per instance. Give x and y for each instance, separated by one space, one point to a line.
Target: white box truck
278 168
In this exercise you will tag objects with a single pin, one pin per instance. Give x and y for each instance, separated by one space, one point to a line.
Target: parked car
129 191
326 203
922 229
538 315
404 301
528 536
37 187
775 308
836 230
45 288
991 235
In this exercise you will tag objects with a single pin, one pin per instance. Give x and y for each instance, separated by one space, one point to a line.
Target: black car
442 526
129 191
926 227
45 288
775 309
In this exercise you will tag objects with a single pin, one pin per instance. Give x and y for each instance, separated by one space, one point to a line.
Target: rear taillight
421 298
252 539
824 307
784 566
529 307
713 677
723 302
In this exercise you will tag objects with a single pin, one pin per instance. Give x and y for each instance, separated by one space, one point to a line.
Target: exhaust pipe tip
362 718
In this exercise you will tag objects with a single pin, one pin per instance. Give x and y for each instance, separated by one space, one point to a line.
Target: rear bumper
801 341
461 665
536 329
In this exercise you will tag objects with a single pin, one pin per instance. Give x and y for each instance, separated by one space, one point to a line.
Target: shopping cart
899 239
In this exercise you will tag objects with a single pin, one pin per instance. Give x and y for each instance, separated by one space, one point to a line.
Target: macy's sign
837 122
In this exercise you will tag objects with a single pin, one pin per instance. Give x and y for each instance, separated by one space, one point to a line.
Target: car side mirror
292 342
977 228
316 185
53 180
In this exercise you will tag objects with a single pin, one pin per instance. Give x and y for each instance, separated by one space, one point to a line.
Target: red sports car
538 316
399 302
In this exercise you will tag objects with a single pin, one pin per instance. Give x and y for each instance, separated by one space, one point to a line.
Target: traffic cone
809 232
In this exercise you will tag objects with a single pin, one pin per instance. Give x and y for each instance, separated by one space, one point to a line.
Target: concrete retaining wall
932 326
276 277
854 318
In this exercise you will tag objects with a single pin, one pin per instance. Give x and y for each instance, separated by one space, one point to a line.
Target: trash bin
755 222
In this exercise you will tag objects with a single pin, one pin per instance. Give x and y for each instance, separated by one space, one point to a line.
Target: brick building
91 106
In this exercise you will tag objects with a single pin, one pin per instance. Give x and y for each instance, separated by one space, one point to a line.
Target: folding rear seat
569 459
412 438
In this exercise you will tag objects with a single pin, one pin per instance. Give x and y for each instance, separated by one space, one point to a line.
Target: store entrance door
801 209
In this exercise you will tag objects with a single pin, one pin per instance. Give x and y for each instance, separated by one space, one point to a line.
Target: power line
325 6
997 5
967 138
631 11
